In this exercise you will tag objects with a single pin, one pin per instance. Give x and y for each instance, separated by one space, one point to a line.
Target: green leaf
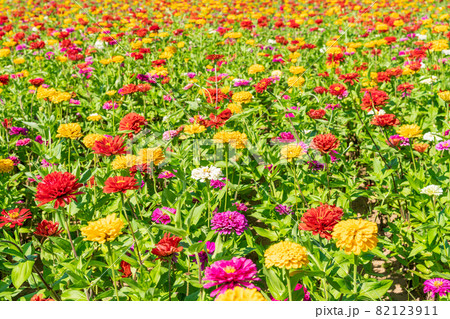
74 295
276 286
171 229
266 233
21 272
375 290
417 249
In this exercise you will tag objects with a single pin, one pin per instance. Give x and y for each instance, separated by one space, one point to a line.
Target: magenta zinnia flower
229 222
436 286
227 274
161 215
443 146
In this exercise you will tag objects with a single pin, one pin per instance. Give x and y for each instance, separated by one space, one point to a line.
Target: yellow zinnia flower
124 161
409 131
355 236
445 95
153 155
295 81
241 294
235 139
194 128
293 150
71 130
287 255
242 97
102 230
6 165
235 108
256 68
90 139
94 117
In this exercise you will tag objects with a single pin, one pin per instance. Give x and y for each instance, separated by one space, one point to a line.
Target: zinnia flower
120 184
432 190
90 139
14 217
443 146
108 146
385 120
235 139
61 187
71 130
102 230
436 286
154 156
228 274
40 297
409 131
241 294
294 150
125 269
355 236
132 122
325 143
6 165
161 216
229 222
242 97
167 247
287 255
321 220
47 228
284 210
206 173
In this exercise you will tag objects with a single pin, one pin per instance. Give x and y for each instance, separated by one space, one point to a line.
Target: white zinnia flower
99 45
422 36
431 137
431 190
446 52
430 80
206 173
270 41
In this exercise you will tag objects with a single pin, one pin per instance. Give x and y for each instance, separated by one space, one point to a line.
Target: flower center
14 215
437 284
229 269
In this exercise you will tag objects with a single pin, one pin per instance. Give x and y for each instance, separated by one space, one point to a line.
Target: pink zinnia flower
23 142
436 286
227 274
161 215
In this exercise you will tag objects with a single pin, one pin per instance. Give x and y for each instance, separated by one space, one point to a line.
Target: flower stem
355 272
170 286
288 283
111 266
131 229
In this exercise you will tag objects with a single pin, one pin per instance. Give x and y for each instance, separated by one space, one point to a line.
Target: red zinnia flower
119 184
167 246
385 120
316 114
109 146
14 217
61 187
374 99
352 78
132 122
125 269
337 89
40 297
325 143
320 90
47 228
321 220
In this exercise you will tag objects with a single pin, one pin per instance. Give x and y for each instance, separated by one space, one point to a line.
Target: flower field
225 150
